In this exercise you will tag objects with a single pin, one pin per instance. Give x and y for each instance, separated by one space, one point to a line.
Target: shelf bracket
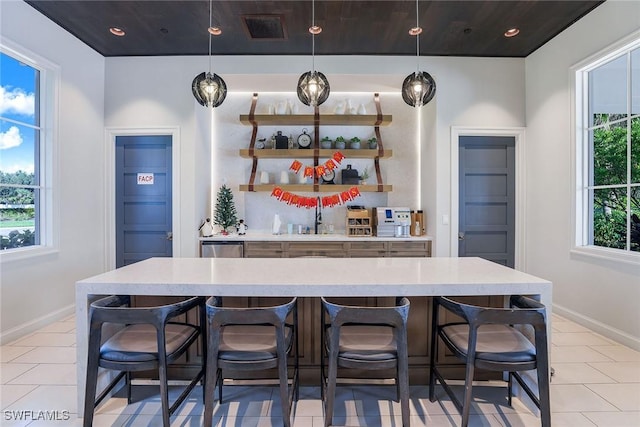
252 178
252 144
316 146
376 161
254 124
376 100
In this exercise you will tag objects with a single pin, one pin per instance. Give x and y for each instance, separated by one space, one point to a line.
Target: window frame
47 204
582 184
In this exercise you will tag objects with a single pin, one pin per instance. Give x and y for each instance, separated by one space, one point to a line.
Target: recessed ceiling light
315 29
415 31
117 31
511 32
214 31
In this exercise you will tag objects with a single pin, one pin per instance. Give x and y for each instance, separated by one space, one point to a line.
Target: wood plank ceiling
451 27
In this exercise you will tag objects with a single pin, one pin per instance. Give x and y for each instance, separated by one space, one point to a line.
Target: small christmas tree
225 214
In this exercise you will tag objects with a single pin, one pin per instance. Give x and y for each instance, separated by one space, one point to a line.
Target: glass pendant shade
418 89
209 89
313 88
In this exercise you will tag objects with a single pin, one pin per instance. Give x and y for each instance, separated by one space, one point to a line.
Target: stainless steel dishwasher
221 249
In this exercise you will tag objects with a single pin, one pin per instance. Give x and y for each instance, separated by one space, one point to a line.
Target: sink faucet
318 219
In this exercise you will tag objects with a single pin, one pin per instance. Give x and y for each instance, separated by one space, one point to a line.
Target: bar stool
151 338
251 339
487 339
370 338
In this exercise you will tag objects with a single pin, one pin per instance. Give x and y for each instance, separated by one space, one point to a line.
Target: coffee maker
392 222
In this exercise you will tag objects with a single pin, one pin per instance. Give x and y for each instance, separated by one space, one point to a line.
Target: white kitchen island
303 277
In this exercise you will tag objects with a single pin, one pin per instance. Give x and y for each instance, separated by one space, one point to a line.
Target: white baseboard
599 327
35 324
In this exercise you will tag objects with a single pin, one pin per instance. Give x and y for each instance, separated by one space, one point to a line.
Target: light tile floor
596 383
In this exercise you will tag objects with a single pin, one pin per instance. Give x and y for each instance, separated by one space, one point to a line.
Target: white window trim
579 161
49 104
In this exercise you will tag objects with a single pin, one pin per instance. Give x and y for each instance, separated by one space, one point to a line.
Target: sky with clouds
17 112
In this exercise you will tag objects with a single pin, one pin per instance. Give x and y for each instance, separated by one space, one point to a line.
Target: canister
414 230
417 223
421 225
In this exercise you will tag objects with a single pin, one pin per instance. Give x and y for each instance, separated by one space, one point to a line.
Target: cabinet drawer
368 246
405 245
408 249
317 246
263 249
316 253
354 253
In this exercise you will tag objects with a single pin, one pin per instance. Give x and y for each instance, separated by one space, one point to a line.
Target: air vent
265 27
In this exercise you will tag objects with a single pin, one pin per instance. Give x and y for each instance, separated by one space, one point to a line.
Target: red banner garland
311 202
320 170
309 172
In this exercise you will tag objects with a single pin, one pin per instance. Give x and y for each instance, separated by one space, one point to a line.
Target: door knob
461 235
169 235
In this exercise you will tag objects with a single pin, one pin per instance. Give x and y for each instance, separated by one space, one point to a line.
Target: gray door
143 198
487 198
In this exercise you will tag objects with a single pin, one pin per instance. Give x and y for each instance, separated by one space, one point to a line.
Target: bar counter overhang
303 277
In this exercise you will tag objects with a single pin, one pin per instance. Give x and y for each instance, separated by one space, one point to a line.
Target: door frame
518 133
110 191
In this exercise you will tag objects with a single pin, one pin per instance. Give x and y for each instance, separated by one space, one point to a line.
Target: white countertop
314 277
337 236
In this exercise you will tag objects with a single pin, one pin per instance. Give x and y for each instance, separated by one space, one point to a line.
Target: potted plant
340 143
364 176
355 143
373 142
225 214
325 142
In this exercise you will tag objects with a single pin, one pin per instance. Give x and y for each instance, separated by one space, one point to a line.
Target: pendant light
418 88
208 88
313 86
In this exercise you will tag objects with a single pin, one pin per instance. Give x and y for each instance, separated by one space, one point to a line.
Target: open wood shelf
322 188
316 120
268 153
308 120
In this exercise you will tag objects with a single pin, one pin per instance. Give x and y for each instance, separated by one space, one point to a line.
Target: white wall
147 92
599 294
37 290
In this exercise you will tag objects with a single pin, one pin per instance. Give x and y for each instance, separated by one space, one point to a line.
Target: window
608 152
26 153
